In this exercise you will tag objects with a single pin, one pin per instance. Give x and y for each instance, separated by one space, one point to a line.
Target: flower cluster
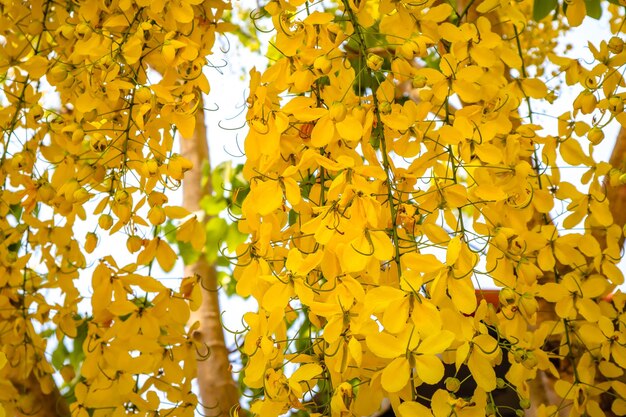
92 94
395 167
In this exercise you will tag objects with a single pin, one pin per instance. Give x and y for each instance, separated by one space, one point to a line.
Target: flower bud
507 296
322 64
375 62
453 384
91 241
133 243
338 111
528 304
595 135
156 215
586 102
616 45
524 403
408 50
150 168
143 94
77 136
121 196
419 81
57 74
530 360
384 107
105 221
616 104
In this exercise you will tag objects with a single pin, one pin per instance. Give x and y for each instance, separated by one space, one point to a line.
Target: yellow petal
429 368
350 129
385 345
323 132
396 375
413 409
165 255
436 343
482 371
307 372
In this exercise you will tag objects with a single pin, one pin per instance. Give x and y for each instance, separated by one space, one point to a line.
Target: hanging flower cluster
396 166
92 93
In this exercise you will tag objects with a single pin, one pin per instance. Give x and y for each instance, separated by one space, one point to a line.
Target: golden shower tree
93 95
397 165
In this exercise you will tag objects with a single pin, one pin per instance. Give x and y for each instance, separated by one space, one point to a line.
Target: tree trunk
218 390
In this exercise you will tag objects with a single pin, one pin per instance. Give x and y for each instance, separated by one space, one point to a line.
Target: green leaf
542 8
213 205
187 252
234 237
293 217
594 8
77 355
58 355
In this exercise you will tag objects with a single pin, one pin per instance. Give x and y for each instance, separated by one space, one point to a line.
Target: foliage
93 93
396 166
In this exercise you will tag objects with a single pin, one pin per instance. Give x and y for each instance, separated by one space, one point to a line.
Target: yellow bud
616 104
91 241
18 161
622 179
134 243
338 111
82 30
616 45
419 81
143 94
408 50
45 191
375 62
385 107
507 296
65 31
595 135
452 384
150 168
78 135
105 221
57 74
98 143
322 64
528 304
156 215
530 360
121 196
591 82
518 354
81 195
586 102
